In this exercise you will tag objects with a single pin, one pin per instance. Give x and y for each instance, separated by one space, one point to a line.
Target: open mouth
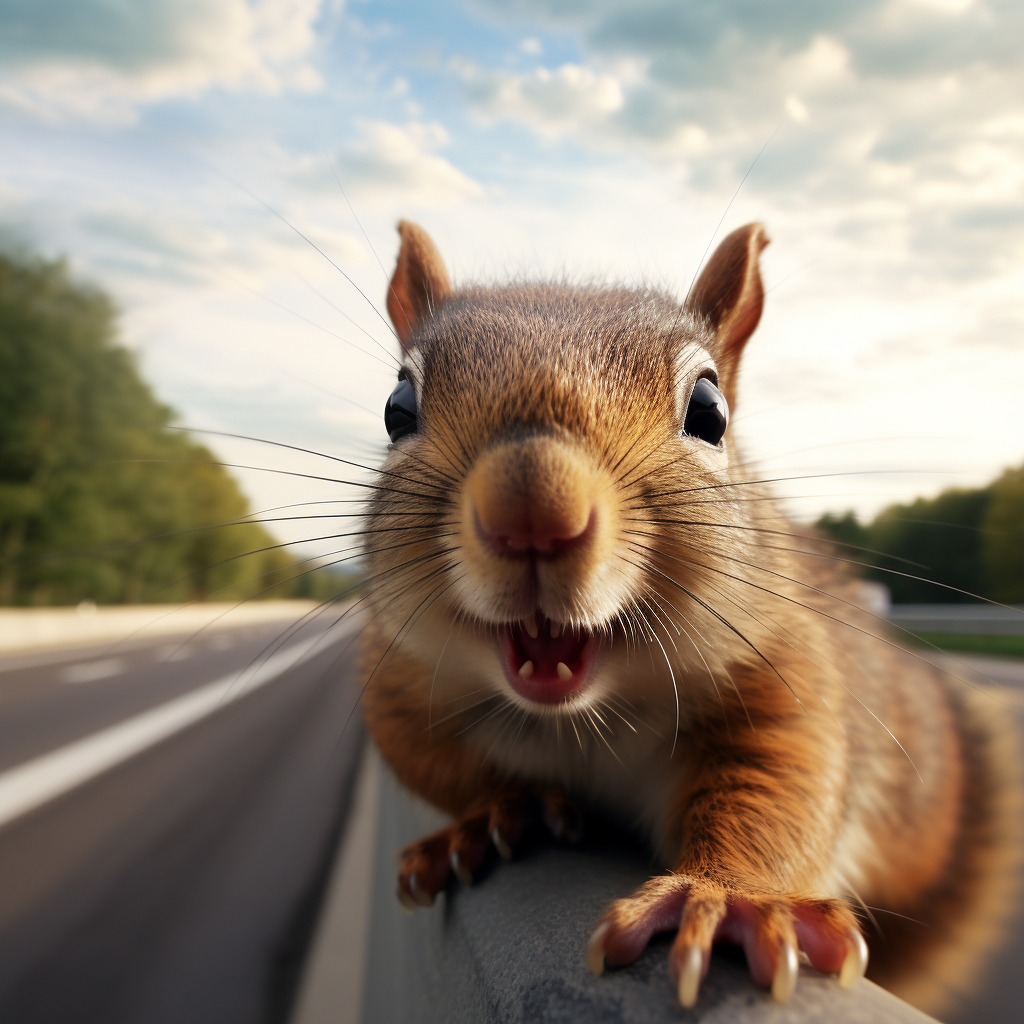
545 662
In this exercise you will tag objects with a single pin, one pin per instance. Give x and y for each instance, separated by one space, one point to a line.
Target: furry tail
965 918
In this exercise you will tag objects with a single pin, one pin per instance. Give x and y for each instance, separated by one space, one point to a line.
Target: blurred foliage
968 539
1003 555
89 469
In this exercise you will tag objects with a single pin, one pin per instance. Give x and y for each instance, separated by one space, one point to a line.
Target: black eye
400 410
707 415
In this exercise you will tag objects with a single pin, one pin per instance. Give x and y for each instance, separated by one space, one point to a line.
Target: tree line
91 468
970 539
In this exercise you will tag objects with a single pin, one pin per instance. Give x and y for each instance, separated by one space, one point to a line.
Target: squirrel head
546 440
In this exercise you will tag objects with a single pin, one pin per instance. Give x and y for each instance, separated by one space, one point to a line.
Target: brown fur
807 765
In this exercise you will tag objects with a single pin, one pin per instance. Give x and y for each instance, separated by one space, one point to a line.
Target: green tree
846 530
943 536
1003 539
89 467
968 539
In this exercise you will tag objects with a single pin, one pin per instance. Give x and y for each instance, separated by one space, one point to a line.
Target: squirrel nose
525 530
530 499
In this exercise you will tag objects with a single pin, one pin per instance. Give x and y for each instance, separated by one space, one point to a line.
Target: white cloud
393 164
796 109
576 100
63 60
894 204
553 102
913 105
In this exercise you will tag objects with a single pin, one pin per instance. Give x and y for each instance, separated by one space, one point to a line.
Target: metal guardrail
973 619
511 948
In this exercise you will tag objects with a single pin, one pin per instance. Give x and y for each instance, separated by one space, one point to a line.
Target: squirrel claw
565 824
461 849
421 896
771 927
500 844
461 872
688 986
595 948
408 904
856 962
786 969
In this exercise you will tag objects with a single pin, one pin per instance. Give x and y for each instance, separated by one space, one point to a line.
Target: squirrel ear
729 295
419 283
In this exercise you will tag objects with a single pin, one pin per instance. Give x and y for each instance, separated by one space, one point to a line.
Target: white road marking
44 778
88 671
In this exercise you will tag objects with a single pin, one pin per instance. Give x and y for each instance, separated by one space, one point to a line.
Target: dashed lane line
90 671
44 778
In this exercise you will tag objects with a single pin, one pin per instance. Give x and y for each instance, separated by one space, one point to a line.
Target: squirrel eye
707 415
400 410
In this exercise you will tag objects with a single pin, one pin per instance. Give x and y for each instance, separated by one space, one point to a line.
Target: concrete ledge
24 630
511 948
969 619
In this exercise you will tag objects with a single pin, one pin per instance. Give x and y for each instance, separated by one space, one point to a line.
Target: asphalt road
178 880
1000 999
169 816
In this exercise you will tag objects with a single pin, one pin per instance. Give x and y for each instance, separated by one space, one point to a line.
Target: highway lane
1000 998
182 883
49 699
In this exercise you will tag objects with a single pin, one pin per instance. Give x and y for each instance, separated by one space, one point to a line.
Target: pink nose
522 530
531 498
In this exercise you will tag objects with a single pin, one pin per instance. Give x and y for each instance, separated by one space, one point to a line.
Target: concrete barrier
510 949
26 630
968 619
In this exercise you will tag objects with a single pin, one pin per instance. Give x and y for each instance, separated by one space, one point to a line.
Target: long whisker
320 327
285 220
776 533
305 540
821 668
785 479
286 472
675 685
433 678
821 611
711 675
310 451
729 207
360 583
725 622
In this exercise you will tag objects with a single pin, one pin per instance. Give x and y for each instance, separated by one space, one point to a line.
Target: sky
232 171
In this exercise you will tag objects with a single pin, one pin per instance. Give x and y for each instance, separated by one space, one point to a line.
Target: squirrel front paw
426 866
772 928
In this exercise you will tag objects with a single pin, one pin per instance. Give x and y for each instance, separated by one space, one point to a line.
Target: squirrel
581 595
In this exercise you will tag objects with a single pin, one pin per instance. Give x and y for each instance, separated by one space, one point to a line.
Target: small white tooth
526 669
564 672
556 629
531 627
